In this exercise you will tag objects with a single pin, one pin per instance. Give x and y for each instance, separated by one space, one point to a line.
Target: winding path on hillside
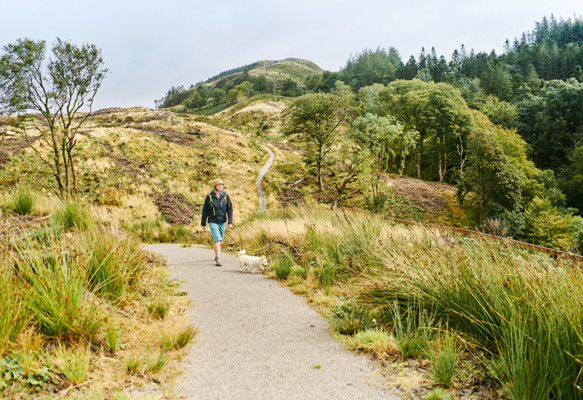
262 172
257 340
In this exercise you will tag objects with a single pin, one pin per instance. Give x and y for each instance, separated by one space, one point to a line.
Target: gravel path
262 172
257 340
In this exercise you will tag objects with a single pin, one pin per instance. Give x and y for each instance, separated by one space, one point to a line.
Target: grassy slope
290 68
127 157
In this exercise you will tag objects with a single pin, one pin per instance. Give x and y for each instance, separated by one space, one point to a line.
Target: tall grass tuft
283 266
114 266
22 201
57 285
177 340
13 304
73 363
444 362
71 214
413 329
158 306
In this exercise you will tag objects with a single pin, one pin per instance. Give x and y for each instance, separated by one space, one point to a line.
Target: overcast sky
150 46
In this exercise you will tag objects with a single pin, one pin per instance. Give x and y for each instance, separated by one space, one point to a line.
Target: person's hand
230 225
203 227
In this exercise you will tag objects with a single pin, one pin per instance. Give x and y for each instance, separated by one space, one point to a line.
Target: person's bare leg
217 247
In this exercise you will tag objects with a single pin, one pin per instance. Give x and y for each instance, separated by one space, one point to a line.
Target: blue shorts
218 231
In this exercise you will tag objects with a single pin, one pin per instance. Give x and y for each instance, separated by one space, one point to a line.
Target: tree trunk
319 167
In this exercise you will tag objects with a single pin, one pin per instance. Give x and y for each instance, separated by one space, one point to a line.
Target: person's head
218 184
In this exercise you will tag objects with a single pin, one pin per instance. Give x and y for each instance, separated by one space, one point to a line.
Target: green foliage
348 317
492 175
441 117
438 394
546 225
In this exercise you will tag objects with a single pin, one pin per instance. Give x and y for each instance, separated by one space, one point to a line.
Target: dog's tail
241 253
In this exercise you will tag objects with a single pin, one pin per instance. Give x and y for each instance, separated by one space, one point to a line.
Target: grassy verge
474 305
76 314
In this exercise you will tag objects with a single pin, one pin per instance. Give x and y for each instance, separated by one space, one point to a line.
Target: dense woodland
506 129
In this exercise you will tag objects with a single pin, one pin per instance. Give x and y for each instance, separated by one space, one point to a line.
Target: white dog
251 262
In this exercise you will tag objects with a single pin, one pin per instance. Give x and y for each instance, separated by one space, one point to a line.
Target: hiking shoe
217 261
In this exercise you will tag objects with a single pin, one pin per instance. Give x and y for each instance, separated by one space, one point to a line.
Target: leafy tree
289 88
438 112
175 96
195 101
384 141
263 85
499 112
219 96
314 120
58 87
547 225
368 98
571 181
203 91
492 176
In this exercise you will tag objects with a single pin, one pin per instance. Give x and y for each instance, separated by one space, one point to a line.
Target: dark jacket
217 209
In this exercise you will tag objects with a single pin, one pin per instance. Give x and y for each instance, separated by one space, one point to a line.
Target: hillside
279 71
130 160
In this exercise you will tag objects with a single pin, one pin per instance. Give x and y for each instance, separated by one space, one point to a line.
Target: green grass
444 362
22 201
71 214
283 266
114 267
73 363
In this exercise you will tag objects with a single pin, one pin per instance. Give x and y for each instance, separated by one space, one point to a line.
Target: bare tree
57 87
